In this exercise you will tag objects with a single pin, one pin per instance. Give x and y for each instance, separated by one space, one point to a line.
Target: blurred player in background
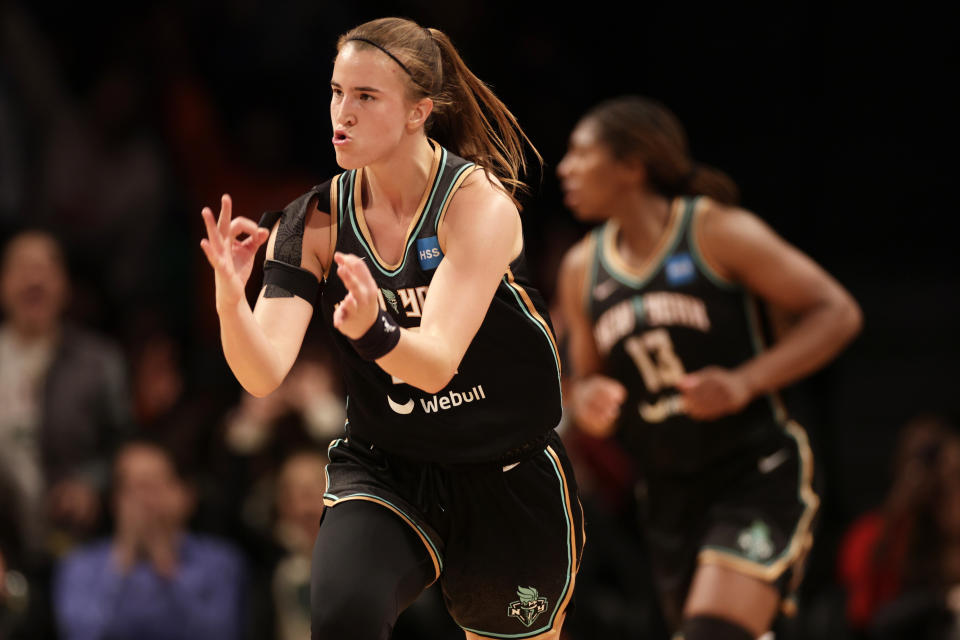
667 348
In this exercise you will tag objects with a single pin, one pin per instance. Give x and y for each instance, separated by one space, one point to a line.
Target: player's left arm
742 248
480 236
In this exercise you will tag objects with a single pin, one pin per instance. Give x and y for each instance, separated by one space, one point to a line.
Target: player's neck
642 223
395 185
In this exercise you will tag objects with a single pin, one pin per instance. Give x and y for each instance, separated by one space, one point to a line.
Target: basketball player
449 468
661 303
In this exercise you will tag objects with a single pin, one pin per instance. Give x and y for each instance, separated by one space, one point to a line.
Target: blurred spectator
169 403
301 483
309 393
900 564
152 578
63 398
307 410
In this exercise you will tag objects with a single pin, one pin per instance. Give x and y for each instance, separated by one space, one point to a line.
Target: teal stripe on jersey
453 182
543 329
705 268
639 283
413 235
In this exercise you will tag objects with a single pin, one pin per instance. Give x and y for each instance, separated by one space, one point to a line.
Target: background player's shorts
505 537
753 514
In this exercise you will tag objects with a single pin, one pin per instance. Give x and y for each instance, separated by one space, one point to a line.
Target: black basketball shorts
505 537
753 514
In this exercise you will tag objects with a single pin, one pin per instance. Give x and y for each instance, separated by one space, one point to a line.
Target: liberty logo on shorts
755 541
529 607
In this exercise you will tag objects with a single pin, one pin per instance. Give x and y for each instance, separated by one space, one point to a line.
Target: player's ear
634 169
419 113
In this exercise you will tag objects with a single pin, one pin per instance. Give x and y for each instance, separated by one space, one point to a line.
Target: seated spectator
900 563
299 501
63 398
151 578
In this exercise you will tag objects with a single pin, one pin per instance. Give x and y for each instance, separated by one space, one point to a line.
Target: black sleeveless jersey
673 317
506 392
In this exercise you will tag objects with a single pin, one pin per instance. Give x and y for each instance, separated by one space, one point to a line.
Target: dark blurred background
118 122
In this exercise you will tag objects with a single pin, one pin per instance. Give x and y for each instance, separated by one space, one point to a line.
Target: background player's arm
481 234
260 345
742 248
594 399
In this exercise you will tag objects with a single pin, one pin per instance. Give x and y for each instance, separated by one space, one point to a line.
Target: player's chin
347 160
582 211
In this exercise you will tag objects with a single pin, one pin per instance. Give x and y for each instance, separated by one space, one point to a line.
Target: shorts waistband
510 456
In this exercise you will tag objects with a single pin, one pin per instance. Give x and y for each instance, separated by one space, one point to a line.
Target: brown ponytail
467 117
634 127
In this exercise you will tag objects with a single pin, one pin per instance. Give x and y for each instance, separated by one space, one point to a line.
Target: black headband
374 44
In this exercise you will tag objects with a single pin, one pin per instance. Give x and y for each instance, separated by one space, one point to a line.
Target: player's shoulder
483 198
579 255
577 259
716 220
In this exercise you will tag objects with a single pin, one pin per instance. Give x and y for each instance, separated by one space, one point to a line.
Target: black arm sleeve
283 276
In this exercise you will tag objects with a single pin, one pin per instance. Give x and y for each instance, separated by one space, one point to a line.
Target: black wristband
379 340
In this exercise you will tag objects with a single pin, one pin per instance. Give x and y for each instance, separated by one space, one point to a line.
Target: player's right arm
260 344
594 398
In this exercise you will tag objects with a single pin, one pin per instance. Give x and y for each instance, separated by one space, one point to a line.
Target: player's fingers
254 242
226 211
688 382
354 282
242 225
213 232
212 256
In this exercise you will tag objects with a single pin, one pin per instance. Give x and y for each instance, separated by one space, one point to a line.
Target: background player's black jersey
506 391
671 318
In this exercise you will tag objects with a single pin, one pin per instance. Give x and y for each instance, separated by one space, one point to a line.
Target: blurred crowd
144 495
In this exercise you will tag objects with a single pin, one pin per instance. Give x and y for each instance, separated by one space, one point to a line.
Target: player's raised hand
596 404
230 256
358 310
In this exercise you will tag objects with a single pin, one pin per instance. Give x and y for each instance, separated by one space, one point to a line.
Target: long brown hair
467 117
635 127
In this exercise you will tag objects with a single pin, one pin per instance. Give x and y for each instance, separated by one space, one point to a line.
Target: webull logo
452 399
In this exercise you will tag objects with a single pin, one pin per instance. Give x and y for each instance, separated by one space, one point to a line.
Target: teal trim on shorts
803 451
405 515
570 555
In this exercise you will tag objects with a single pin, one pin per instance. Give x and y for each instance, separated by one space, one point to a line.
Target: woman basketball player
660 302
449 467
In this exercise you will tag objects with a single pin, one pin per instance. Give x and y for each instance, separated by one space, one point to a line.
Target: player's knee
711 628
350 613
